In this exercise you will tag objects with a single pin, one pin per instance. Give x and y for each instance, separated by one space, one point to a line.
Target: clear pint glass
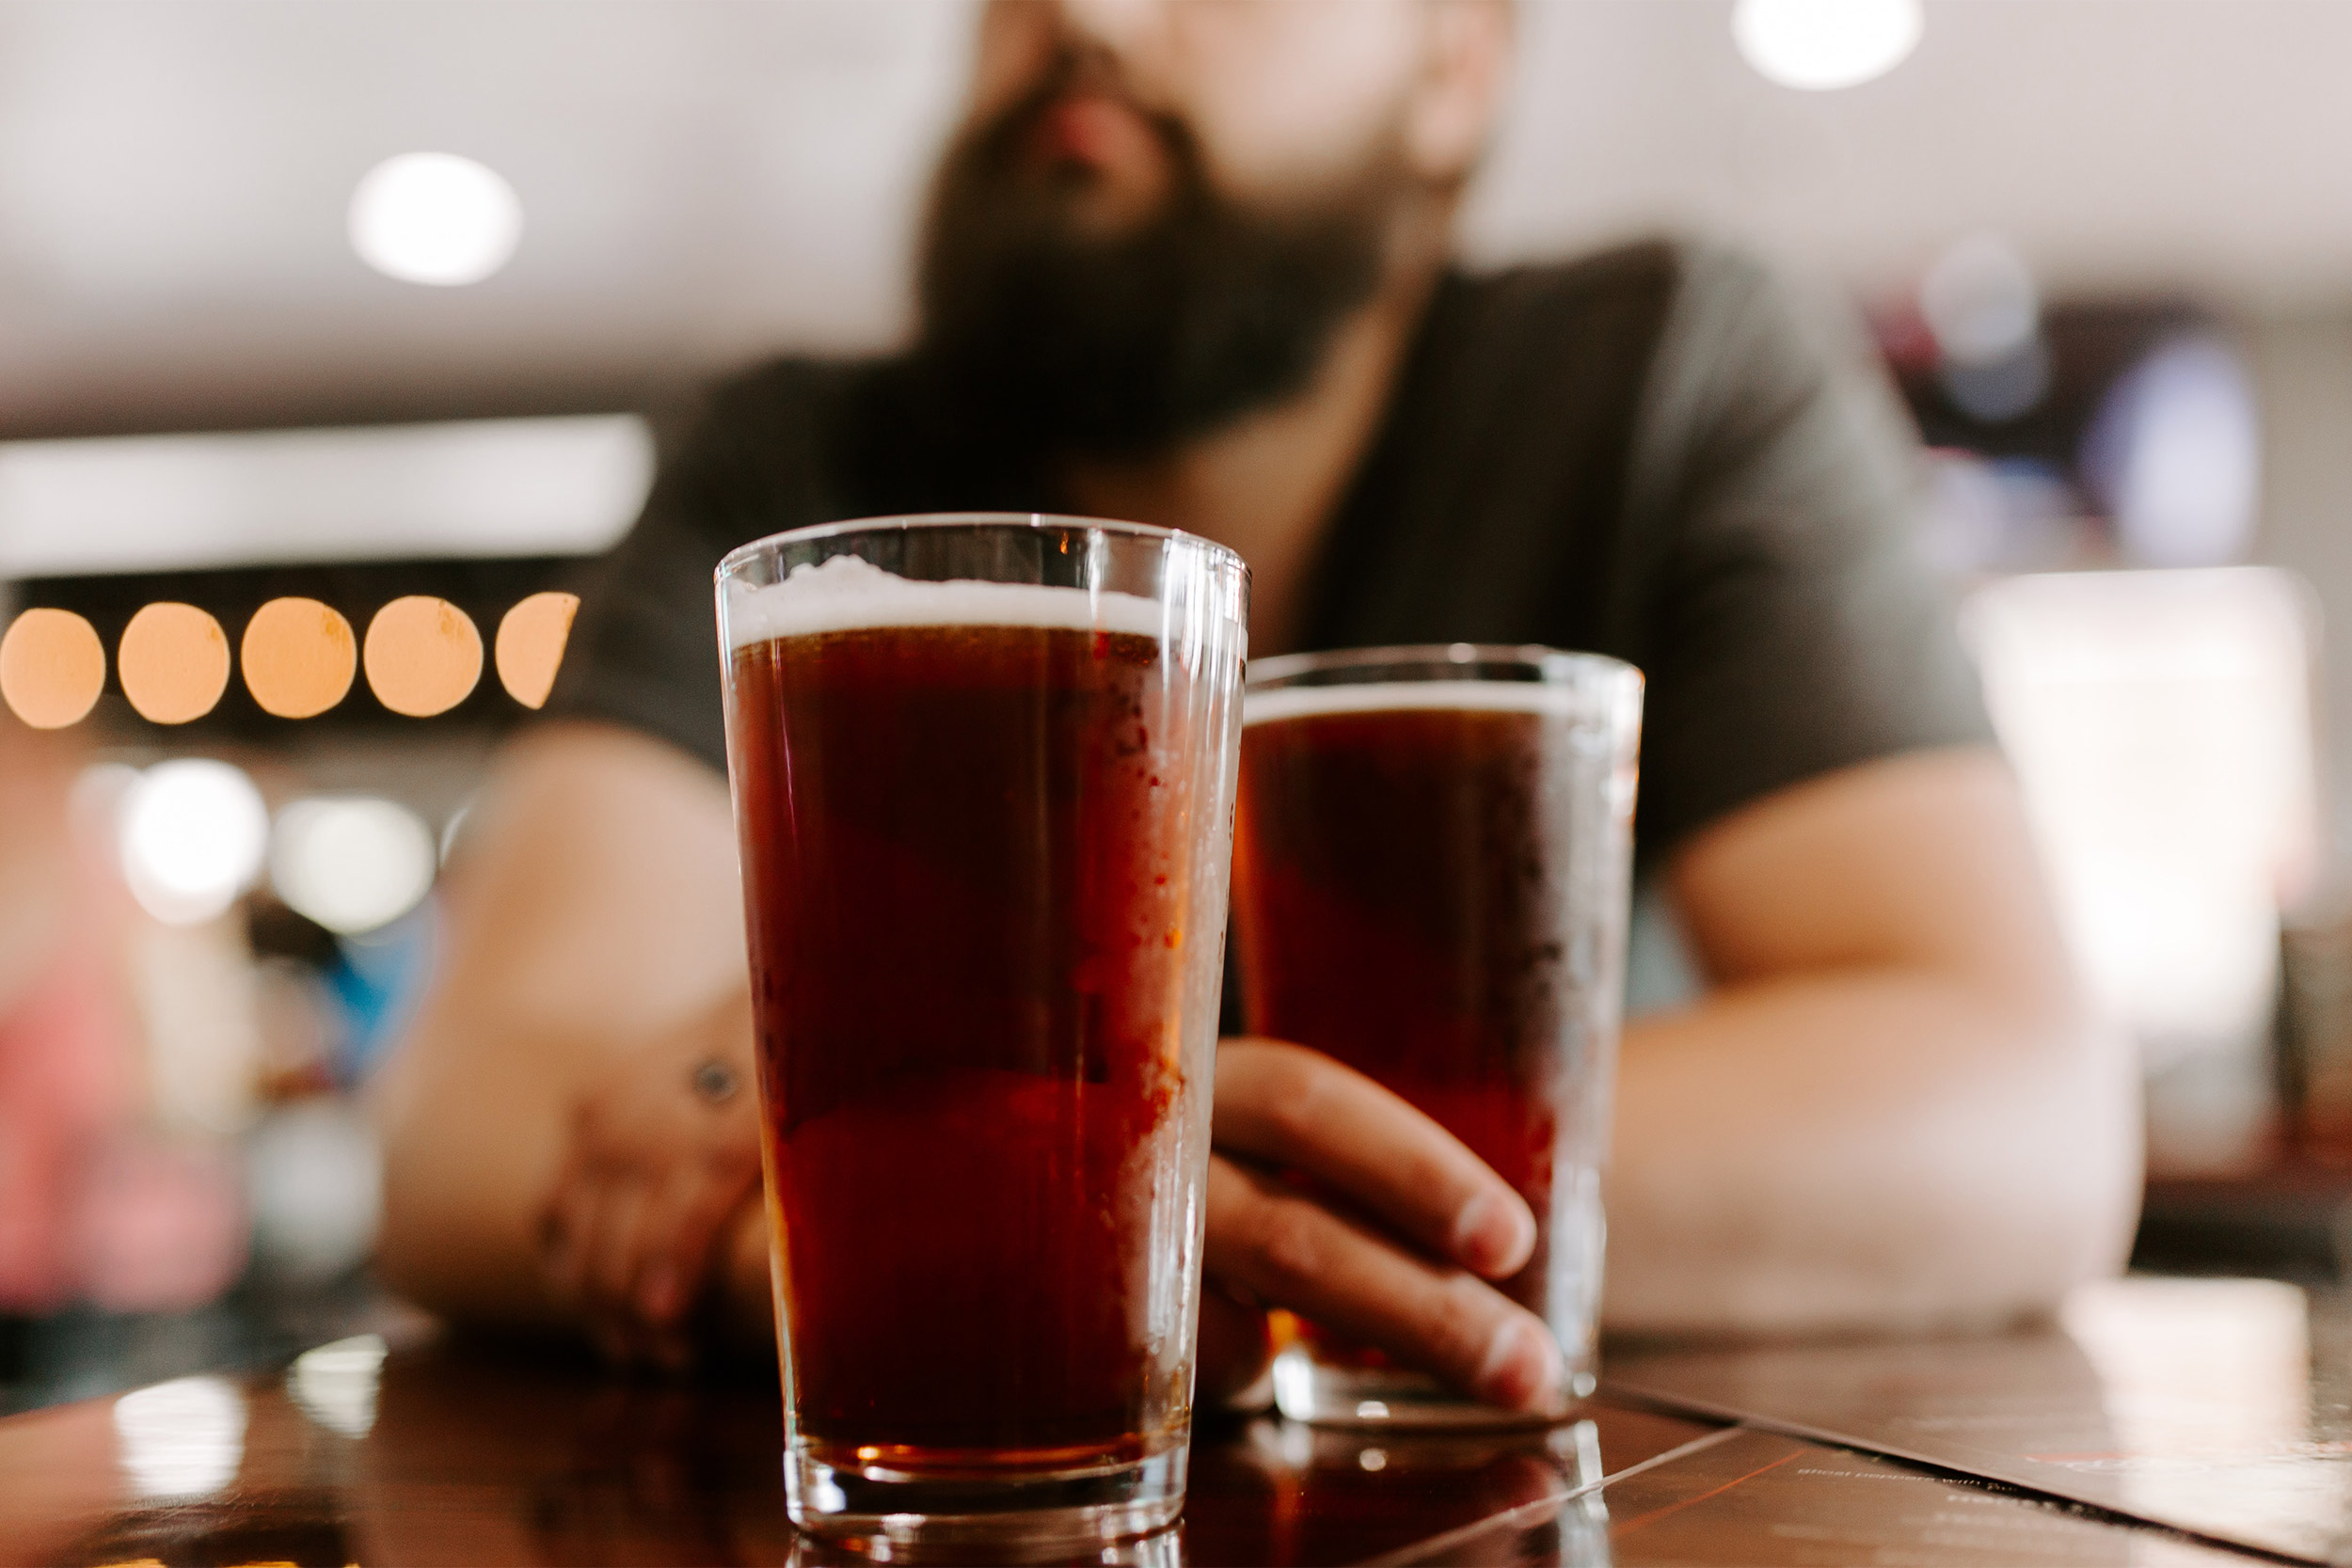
1430 885
983 769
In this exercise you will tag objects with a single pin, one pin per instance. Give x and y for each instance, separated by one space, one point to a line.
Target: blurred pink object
91 1206
159 1228
68 1086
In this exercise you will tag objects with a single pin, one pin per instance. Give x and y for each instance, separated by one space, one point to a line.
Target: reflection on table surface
2218 1406
442 1452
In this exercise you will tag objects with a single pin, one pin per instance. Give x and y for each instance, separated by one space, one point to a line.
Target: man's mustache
997 143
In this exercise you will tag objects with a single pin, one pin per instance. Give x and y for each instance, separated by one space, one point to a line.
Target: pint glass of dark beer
1430 885
983 776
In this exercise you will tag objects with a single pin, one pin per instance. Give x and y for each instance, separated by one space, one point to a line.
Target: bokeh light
2174 454
1982 307
435 218
193 834
335 1384
1979 300
174 663
52 668
96 799
424 656
184 1438
316 1178
531 645
299 657
352 864
1820 45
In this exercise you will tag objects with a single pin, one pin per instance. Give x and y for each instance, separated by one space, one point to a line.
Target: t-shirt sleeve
645 647
1791 625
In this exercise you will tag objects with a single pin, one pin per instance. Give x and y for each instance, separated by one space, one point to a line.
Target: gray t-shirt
1651 452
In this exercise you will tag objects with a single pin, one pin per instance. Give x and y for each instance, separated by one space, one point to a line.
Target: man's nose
1123 28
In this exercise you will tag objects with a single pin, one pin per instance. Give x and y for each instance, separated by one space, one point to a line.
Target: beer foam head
845 593
1313 702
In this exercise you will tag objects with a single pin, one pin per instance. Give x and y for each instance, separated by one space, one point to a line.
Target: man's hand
655 1168
663 1152
1410 1288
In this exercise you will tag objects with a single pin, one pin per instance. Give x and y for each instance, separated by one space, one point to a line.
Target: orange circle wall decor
174 663
531 645
52 668
299 657
424 656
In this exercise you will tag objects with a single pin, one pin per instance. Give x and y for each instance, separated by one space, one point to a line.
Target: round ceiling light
433 218
1819 45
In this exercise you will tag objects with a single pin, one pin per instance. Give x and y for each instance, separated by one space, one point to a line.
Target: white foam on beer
1313 702
845 593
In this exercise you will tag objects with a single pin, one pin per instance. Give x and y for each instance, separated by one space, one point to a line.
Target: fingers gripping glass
1430 885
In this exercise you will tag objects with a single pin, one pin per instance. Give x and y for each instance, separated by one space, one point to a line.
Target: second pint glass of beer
1430 885
983 775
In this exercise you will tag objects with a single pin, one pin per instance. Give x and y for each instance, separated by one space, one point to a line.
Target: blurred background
333 337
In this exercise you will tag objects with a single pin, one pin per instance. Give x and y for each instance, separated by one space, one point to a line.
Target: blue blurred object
377 980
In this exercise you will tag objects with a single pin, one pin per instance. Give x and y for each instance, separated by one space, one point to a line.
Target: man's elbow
457 1227
407 1257
2070 1136
436 1253
413 1242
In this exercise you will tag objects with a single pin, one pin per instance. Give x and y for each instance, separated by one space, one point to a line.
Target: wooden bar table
2168 1422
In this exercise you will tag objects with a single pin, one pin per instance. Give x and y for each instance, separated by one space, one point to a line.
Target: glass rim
1437 658
907 521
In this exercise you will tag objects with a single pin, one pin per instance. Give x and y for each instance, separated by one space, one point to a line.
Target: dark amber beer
1429 884
984 876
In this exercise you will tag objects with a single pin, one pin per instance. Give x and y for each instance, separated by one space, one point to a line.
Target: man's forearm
468 1159
598 911
1873 1150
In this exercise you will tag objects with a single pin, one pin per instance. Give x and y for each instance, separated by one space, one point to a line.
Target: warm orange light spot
424 656
52 668
174 662
531 645
299 657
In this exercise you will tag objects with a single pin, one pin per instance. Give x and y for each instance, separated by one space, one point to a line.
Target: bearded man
1188 263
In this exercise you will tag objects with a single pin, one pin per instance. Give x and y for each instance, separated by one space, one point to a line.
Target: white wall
2303 369
702 182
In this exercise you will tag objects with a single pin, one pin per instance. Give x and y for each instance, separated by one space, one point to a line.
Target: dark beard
1060 342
